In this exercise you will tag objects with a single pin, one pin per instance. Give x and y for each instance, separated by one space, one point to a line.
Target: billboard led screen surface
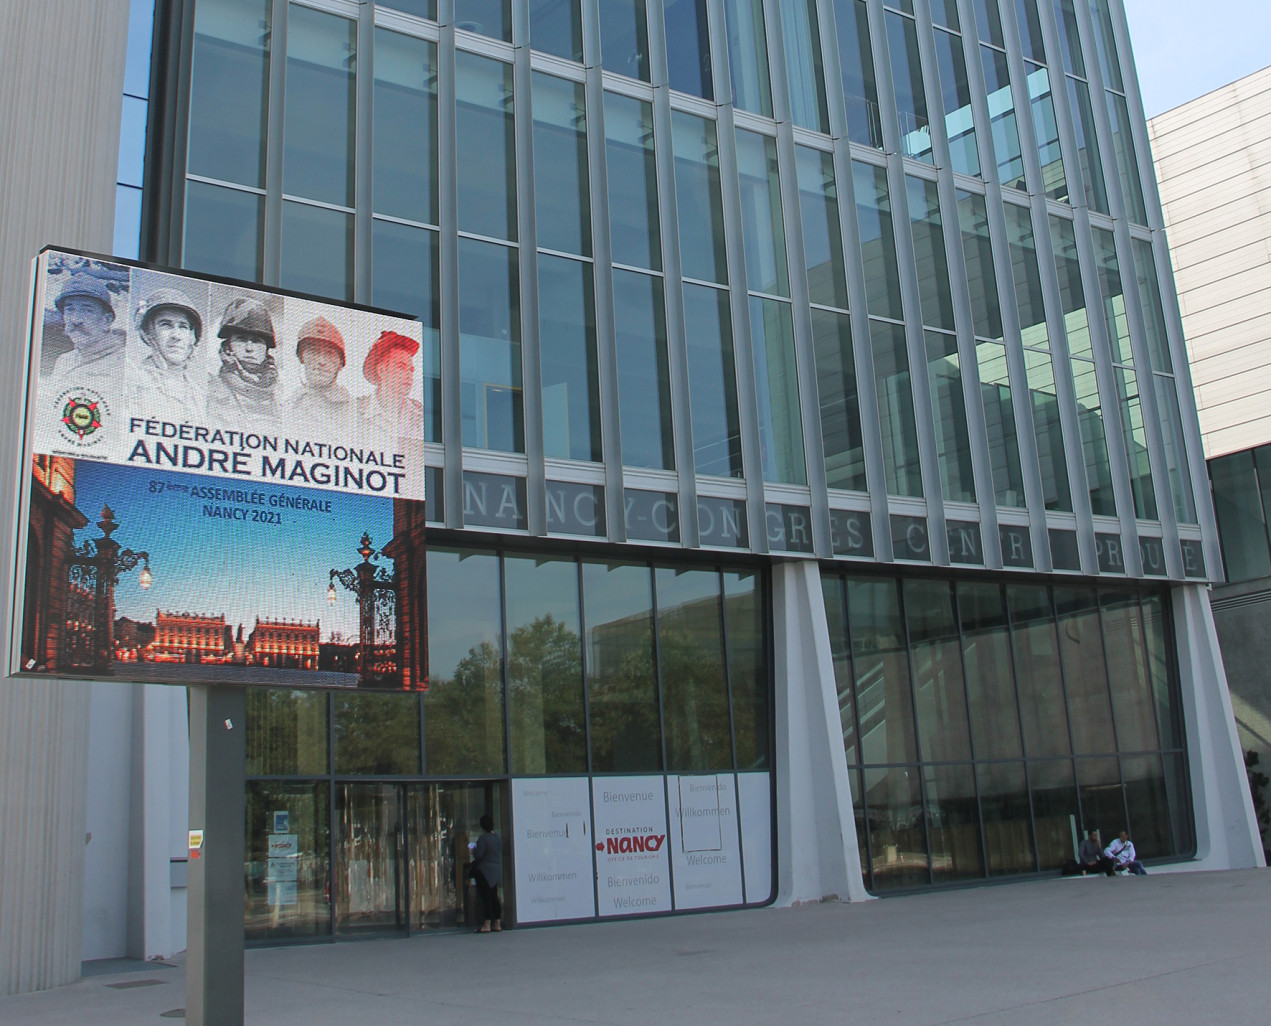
220 484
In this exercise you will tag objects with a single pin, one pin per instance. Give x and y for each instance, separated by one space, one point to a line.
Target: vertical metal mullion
1009 621
1063 682
503 660
863 354
167 136
583 662
657 681
970 726
271 258
832 65
448 267
929 72
883 81
732 725
1069 157
913 705
609 396
859 768
331 813
527 241
804 343
973 57
916 344
363 140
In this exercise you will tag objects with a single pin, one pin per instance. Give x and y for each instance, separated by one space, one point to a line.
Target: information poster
555 871
281 869
632 858
705 852
222 483
755 792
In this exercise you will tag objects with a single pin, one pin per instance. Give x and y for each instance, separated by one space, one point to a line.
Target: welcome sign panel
220 483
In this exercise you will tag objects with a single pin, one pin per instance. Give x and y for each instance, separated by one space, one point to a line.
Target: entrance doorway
401 854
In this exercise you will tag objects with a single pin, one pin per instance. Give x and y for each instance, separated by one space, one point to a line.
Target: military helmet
249 316
385 344
322 331
86 286
168 297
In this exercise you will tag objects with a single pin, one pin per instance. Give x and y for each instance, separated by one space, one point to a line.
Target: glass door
443 820
369 884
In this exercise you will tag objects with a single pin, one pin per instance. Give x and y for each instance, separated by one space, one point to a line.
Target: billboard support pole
214 959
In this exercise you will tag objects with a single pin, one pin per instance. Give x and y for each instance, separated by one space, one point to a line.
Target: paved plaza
1168 948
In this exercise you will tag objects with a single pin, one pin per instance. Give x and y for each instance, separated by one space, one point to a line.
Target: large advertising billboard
219 484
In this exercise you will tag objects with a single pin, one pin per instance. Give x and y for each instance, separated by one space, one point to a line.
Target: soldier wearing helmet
88 316
322 400
243 394
389 411
171 327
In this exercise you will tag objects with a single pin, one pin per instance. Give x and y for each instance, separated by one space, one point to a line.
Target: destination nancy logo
82 414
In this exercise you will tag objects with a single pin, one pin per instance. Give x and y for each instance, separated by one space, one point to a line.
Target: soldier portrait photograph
167 374
81 326
243 393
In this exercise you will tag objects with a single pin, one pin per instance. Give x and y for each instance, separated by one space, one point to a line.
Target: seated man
1120 855
1090 853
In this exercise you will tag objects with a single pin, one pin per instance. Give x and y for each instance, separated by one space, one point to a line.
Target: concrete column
1226 829
817 854
61 75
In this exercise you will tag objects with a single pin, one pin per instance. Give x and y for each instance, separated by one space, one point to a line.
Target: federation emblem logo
83 417
80 416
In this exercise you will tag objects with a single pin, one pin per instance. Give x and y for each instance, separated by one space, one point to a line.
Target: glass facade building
715 292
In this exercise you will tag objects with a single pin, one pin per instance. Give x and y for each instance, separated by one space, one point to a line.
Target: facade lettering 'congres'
811 457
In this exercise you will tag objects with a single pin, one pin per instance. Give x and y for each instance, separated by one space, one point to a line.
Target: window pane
694 692
644 390
1029 24
884 702
777 392
621 682
1127 162
1071 292
624 38
404 278
1008 819
485 17
839 401
997 83
897 835
878 244
956 97
805 74
376 734
762 226
911 101
317 251
1147 797
999 418
1180 481
229 87
688 48
562 196
1094 439
567 351
929 254
954 823
419 8
822 234
1132 702
635 236
1113 296
1046 128
948 411
977 252
856 61
556 27
490 347
404 159
712 382
1241 517
487 146
939 690
545 670
463 709
1083 127
318 120
989 21
747 667
1105 43
1156 635
1134 434
1048 430
748 56
286 732
1054 792
222 231
697 198
1069 37
264 914
840 650
1041 688
1153 312
1085 673
895 408
986 648
1102 803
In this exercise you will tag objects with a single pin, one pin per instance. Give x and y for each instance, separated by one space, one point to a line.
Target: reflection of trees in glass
463 716
376 734
625 735
695 700
286 732
549 729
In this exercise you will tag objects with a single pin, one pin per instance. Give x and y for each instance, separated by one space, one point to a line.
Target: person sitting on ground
1090 853
1120 855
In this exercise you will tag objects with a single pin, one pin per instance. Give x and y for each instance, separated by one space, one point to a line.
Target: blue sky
241 569
1185 48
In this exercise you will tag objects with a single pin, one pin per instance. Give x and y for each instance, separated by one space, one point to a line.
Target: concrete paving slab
1163 949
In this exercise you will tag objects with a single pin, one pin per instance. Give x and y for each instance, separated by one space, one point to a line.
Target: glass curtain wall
987 724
